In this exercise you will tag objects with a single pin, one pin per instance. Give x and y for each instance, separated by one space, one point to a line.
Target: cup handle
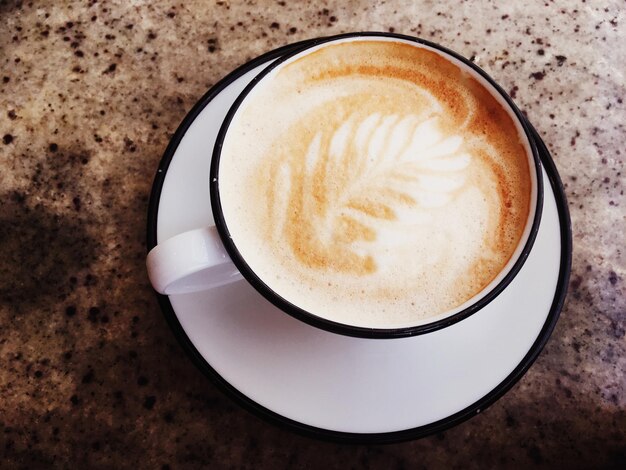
189 262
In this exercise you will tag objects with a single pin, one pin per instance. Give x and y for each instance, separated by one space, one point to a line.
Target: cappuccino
375 182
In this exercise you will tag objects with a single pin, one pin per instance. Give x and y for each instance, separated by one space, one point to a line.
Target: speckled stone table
91 92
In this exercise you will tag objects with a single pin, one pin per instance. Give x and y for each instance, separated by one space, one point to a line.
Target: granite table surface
90 94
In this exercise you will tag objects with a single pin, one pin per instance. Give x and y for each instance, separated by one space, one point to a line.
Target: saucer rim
338 436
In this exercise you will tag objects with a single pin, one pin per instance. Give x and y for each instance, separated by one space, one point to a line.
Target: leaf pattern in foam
385 162
364 173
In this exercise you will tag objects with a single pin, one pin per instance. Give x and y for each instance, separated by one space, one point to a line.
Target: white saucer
339 387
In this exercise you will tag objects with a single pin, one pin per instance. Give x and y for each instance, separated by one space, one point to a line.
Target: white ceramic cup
206 258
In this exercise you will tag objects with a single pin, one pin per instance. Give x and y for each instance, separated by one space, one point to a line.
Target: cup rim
343 328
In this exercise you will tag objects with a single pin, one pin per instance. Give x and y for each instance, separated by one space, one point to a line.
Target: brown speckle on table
538 75
91 375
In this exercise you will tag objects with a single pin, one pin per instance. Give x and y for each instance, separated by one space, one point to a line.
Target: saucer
336 387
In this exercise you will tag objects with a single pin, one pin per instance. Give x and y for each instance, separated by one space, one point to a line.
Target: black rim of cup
341 328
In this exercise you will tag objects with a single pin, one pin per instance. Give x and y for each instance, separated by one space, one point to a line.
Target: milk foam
374 183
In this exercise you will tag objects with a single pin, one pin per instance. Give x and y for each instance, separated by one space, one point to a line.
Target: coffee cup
370 184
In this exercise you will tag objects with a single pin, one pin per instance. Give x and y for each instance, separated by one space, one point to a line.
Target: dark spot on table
151 35
7 139
540 52
129 144
70 311
617 329
510 421
93 313
275 25
53 147
538 75
212 44
560 59
110 69
513 92
6 79
88 377
149 402
613 278
75 400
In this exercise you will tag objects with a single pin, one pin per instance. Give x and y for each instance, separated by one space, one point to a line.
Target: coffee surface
374 183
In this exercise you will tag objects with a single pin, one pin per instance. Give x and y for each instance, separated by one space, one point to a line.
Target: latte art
366 177
374 183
